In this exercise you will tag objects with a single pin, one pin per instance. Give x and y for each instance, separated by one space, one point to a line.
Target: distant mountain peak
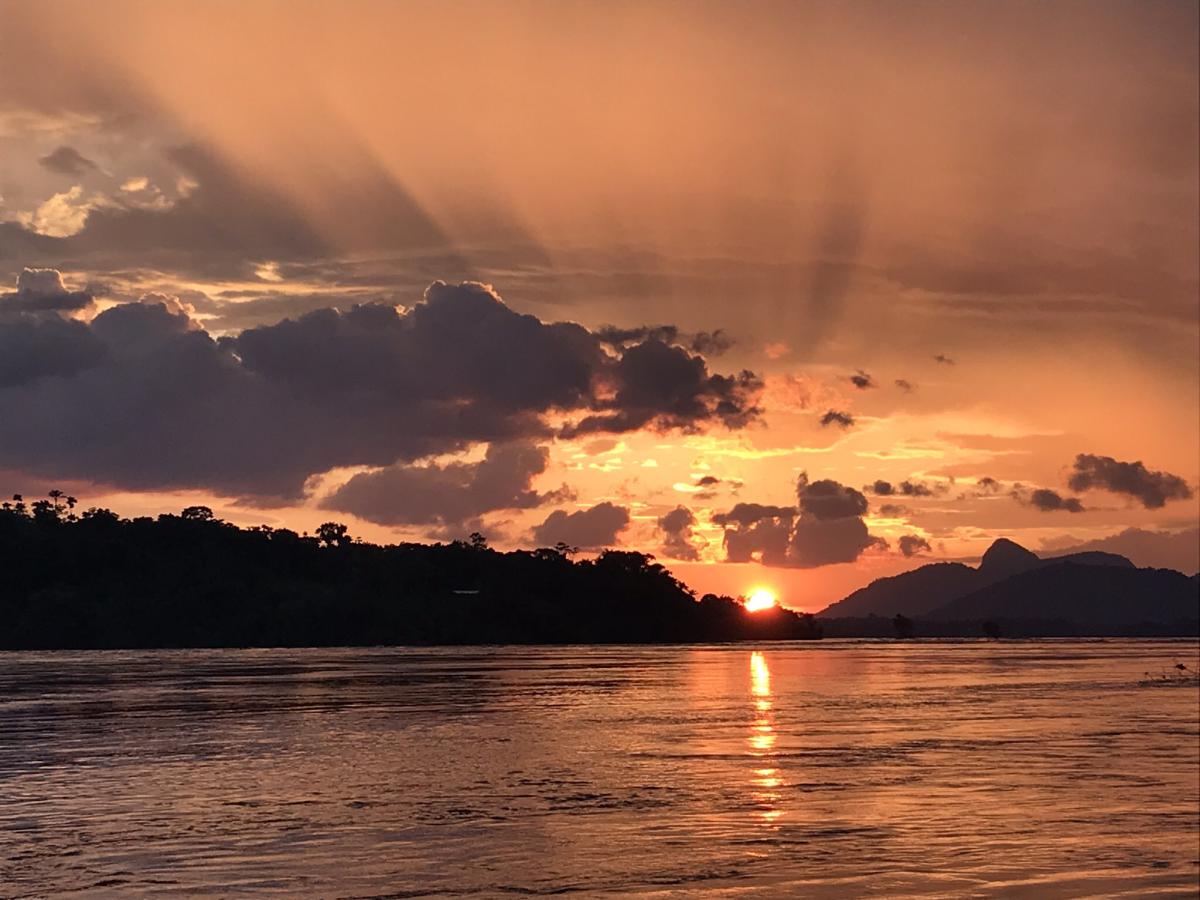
1007 557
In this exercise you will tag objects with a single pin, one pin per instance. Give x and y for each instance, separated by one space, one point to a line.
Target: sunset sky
789 295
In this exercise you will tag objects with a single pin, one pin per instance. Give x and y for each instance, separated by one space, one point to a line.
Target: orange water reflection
766 781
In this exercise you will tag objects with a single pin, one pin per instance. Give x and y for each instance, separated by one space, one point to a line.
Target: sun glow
759 599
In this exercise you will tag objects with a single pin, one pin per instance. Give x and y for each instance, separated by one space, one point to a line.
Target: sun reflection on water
766 780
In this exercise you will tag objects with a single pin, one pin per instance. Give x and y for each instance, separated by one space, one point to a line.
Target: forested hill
94 580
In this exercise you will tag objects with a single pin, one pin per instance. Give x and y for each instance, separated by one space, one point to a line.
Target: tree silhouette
333 534
903 626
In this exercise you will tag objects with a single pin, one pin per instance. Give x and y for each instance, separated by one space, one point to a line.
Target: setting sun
759 599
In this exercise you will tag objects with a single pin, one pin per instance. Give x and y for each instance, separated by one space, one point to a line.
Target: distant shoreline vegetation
94 580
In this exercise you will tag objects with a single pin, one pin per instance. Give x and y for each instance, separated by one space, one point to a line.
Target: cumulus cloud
834 417
67 161
588 529
661 386
679 538
893 510
43 291
913 545
450 494
1151 489
145 398
825 527
63 215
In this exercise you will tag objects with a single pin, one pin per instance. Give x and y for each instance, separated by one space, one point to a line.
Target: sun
760 598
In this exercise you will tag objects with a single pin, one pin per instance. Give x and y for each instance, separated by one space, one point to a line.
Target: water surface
931 769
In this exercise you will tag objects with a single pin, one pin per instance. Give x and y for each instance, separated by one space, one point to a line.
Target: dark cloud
989 484
833 417
750 513
905 488
913 545
145 398
1151 489
711 343
707 481
706 343
1047 500
905 385
679 540
826 527
827 499
587 529
448 494
862 380
67 161
943 360
893 510
660 386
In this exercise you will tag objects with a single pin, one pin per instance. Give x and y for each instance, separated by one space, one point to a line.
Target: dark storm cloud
587 529
1151 489
1047 500
862 380
678 537
905 385
826 527
450 494
67 161
834 417
145 398
913 544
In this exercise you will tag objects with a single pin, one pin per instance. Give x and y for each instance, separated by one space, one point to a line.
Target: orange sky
841 188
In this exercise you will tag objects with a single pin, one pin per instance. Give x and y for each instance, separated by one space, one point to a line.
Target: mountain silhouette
1011 582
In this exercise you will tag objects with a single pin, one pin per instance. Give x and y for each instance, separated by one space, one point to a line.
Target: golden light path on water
762 742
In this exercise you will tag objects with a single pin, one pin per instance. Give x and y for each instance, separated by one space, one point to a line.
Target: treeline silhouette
76 580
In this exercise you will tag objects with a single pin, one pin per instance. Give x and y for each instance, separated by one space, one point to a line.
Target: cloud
706 343
905 488
449 494
862 380
905 385
63 215
826 527
943 360
67 161
659 386
587 529
833 417
146 398
893 510
43 291
1151 489
913 545
1046 500
679 540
